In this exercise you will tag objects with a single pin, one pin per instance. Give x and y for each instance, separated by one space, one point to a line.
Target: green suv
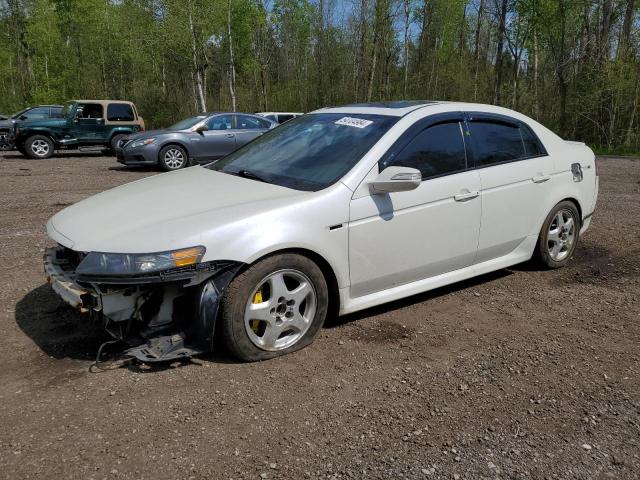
84 123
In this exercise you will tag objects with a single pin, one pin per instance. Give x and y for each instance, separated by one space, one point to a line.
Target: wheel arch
576 202
176 143
324 265
566 198
123 131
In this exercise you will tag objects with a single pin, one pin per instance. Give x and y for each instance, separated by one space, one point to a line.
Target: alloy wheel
40 148
280 310
561 235
174 159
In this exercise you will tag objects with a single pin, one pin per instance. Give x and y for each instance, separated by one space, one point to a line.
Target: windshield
17 115
309 152
66 109
187 122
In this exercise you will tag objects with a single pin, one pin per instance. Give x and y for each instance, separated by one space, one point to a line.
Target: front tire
39 147
558 237
173 157
275 307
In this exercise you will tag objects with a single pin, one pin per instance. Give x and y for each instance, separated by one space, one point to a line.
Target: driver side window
220 122
437 150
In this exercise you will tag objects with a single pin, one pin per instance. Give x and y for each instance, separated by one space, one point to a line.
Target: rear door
515 176
249 127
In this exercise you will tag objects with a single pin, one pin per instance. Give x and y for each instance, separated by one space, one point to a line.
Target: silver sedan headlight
97 263
144 141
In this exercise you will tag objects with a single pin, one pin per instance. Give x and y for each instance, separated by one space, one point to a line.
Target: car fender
317 224
120 131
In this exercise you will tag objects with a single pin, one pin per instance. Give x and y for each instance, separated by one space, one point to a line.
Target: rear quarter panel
584 192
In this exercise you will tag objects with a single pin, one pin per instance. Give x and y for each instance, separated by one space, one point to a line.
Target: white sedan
333 212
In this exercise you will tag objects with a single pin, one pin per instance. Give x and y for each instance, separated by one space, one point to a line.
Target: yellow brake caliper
255 324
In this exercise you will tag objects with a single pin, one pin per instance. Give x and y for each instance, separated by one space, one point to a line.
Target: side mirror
100 121
396 179
202 128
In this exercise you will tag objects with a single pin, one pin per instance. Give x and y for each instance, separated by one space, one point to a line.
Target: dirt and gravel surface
520 374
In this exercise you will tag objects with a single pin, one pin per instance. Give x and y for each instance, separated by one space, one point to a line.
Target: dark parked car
39 112
199 139
82 123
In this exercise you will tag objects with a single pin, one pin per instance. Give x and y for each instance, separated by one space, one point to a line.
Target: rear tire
173 157
39 147
559 235
274 307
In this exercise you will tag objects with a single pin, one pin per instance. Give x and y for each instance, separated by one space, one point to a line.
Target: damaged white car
336 211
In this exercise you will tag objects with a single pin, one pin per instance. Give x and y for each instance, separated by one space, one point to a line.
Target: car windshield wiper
252 175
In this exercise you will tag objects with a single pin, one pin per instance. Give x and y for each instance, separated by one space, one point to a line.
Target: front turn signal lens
188 256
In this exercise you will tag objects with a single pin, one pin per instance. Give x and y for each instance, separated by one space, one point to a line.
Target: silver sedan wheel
174 159
40 148
561 235
280 310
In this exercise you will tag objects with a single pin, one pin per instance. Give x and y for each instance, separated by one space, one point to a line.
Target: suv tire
115 140
39 147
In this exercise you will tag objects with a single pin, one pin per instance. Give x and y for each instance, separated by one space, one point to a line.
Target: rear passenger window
89 110
496 143
246 122
56 112
120 112
532 146
437 150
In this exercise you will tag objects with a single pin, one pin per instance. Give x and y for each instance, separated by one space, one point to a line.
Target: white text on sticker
354 122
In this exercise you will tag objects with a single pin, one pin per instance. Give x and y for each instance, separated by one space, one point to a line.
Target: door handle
541 178
461 197
230 135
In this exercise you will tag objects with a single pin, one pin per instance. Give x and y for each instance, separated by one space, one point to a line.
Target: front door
402 237
515 176
89 126
216 142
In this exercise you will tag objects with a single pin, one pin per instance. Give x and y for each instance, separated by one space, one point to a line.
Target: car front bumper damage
160 317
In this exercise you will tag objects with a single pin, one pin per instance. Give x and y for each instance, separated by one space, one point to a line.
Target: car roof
102 101
278 113
208 114
393 108
402 108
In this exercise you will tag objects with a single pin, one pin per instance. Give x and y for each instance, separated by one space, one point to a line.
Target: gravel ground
519 374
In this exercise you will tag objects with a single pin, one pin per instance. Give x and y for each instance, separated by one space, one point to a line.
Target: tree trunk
498 68
625 33
201 103
232 65
476 53
407 11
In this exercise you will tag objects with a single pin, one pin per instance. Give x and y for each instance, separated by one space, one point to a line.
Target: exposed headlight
145 141
96 263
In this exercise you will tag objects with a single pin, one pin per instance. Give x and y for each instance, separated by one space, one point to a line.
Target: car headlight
97 263
145 141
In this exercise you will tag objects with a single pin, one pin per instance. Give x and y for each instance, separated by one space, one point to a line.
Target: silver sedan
198 139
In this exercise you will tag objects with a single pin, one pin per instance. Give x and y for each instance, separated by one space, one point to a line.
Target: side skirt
520 254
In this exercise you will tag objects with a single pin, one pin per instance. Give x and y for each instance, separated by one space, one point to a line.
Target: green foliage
567 63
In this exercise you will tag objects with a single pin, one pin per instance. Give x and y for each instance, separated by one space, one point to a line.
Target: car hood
164 212
7 123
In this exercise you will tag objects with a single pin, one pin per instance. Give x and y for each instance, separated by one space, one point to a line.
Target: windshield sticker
353 122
